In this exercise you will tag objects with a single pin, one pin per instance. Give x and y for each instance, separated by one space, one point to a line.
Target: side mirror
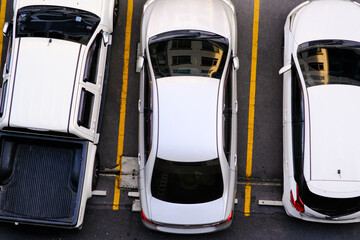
6 29
284 69
106 38
139 64
236 62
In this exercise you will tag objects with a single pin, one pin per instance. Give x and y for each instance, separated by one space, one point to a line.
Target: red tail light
298 204
145 219
227 220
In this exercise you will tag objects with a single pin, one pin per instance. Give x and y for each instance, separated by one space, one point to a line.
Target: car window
298 125
8 56
188 53
330 62
56 22
147 111
187 182
91 66
85 108
227 114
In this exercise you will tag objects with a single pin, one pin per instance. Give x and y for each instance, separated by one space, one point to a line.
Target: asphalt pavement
263 222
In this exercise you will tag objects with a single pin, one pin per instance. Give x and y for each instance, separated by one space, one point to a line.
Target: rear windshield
56 22
187 183
330 62
188 53
333 207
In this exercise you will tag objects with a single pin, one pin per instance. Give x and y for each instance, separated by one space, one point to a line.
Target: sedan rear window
187 182
56 22
188 53
330 62
333 207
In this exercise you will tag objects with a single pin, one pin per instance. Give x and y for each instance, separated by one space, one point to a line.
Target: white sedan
321 117
187 115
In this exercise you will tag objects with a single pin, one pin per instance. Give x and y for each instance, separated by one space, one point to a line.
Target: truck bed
41 179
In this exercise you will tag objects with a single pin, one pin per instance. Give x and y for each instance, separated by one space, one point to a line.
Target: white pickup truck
52 96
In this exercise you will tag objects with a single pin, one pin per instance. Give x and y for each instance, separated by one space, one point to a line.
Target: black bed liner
41 179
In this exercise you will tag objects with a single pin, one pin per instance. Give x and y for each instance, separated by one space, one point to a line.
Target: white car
187 115
321 79
52 96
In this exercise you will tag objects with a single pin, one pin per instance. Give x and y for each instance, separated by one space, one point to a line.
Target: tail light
298 204
145 219
227 220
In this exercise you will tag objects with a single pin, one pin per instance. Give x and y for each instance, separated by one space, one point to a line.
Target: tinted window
183 182
227 114
85 108
330 62
92 60
147 111
56 22
8 56
334 207
188 53
298 126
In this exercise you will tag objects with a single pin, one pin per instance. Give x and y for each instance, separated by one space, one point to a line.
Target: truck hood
93 6
44 83
335 133
187 214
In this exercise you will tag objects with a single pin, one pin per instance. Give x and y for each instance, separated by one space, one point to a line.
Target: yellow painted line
252 106
123 103
2 20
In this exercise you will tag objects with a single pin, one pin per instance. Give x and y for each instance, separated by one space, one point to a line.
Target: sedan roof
187 118
206 15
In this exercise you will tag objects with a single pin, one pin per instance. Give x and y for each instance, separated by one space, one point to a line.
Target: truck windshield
187 182
56 22
330 62
188 53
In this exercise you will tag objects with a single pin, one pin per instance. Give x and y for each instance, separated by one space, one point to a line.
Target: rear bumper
178 229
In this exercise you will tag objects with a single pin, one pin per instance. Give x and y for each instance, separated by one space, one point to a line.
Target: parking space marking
252 106
120 149
2 20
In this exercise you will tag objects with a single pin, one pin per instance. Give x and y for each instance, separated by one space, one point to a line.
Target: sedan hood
44 84
206 15
335 132
187 214
320 20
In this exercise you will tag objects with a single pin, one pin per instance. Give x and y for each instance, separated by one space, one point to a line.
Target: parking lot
259 143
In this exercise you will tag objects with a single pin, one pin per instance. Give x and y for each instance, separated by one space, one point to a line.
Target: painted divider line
2 20
125 77
252 107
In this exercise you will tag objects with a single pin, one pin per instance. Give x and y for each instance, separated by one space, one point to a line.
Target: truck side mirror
139 63
106 38
6 29
236 62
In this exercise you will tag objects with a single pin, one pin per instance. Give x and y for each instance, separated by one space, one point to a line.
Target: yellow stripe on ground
123 103
252 106
2 20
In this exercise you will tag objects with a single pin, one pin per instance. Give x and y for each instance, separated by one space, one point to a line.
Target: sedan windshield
330 62
56 22
187 182
188 53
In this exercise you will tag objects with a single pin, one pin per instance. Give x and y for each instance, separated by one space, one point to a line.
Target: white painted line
270 203
136 206
99 193
133 194
236 201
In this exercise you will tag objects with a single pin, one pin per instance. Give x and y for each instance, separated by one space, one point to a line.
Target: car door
91 84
